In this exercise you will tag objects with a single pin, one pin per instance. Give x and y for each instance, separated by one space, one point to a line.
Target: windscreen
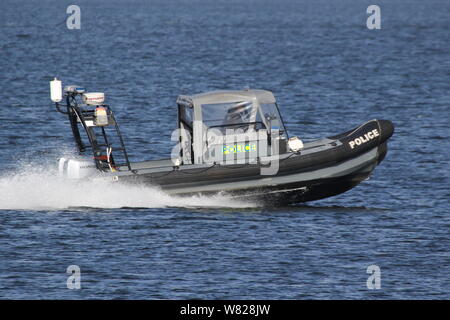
243 114
273 118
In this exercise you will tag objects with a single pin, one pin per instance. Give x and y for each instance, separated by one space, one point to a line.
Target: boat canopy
263 96
245 110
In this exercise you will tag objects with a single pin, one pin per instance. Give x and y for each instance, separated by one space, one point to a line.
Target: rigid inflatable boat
230 142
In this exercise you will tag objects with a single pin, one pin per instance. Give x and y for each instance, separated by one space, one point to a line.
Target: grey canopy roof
226 96
198 101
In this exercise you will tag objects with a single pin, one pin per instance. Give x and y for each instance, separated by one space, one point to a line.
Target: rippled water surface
329 73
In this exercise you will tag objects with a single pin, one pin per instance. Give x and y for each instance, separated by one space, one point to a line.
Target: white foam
37 188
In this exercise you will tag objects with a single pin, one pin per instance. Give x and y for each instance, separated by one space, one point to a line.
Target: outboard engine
76 168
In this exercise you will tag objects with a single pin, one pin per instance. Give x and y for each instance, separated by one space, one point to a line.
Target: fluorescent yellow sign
239 148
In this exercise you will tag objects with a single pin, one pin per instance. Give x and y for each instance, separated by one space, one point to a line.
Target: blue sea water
329 73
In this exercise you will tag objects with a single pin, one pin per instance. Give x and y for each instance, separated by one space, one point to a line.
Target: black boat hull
323 169
310 190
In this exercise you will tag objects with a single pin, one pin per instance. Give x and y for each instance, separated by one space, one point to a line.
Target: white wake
38 188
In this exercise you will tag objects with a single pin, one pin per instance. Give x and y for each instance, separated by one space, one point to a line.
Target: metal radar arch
100 132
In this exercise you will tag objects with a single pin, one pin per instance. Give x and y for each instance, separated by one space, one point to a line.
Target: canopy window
236 115
186 115
273 117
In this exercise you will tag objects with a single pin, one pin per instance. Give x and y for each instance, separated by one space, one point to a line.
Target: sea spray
37 187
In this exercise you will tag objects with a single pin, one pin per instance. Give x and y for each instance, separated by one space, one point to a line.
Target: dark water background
329 73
